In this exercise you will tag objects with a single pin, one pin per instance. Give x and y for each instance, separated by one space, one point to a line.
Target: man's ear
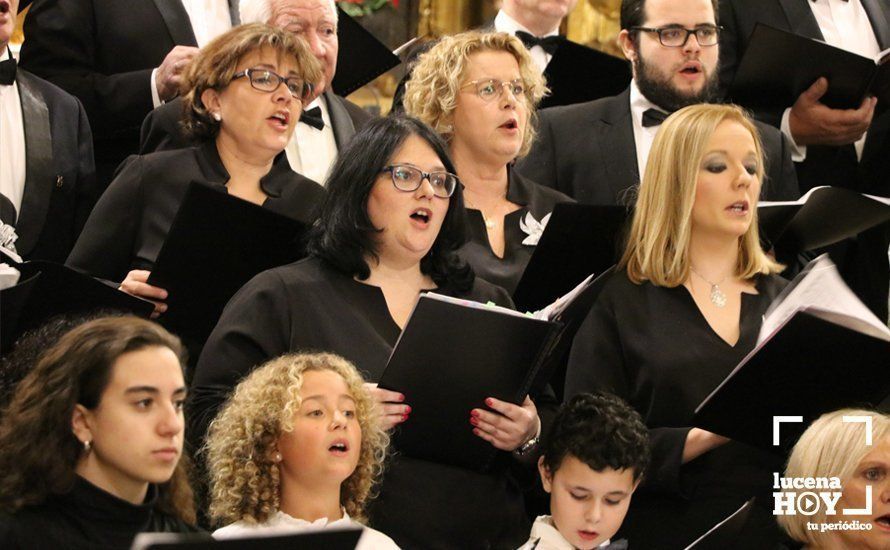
546 476
626 43
636 484
81 419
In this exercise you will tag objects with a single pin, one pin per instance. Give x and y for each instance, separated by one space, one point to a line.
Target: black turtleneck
85 518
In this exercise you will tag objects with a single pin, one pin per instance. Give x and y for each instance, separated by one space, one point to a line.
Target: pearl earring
87 446
278 457
217 117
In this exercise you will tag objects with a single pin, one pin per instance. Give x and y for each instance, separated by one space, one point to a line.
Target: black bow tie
7 71
548 43
653 117
312 117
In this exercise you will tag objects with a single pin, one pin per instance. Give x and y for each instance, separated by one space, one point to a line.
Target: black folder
725 535
361 57
579 239
577 73
809 367
451 356
47 289
216 244
779 65
329 539
823 216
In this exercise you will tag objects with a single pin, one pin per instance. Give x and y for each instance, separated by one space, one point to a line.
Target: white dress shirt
845 25
12 143
282 524
643 137
312 152
209 19
545 536
505 23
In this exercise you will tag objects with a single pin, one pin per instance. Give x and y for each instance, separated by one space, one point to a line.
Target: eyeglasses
676 37
408 178
265 80
493 88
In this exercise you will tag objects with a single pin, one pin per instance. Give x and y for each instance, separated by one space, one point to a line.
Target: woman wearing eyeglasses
243 96
388 231
479 91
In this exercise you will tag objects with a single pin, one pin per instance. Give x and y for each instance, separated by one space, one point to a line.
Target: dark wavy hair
344 235
75 370
600 430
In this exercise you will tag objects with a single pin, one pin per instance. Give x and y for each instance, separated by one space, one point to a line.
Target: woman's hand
393 410
699 441
509 427
136 284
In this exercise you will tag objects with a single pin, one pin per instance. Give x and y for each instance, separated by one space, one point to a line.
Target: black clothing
103 53
824 164
60 179
653 347
85 518
506 272
130 222
310 306
587 151
161 131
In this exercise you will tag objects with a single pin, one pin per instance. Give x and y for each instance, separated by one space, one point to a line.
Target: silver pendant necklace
718 297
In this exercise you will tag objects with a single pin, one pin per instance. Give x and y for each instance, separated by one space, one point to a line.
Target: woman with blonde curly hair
682 309
479 91
91 442
838 445
297 446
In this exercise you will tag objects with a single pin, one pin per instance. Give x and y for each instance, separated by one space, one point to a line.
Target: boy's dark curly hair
600 430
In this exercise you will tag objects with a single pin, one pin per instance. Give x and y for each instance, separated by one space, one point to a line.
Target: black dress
310 306
86 517
130 222
653 347
506 272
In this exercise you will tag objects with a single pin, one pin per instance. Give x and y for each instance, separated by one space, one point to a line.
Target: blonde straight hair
658 243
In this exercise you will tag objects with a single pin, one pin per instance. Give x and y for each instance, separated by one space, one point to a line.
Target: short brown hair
431 92
213 67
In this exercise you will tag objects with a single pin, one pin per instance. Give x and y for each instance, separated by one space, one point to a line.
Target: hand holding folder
453 354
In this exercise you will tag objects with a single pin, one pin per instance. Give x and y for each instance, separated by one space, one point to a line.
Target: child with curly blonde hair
298 446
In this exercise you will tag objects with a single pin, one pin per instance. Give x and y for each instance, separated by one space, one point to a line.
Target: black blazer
103 53
587 151
824 165
60 184
130 222
161 130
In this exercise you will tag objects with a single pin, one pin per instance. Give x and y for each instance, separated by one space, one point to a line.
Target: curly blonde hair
244 479
437 76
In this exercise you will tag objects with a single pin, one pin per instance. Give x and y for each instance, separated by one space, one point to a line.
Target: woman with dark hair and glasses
244 94
388 231
479 91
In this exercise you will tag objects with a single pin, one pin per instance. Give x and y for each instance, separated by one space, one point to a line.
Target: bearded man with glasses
596 152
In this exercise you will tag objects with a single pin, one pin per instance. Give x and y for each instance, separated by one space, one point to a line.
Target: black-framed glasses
492 88
408 178
675 36
265 80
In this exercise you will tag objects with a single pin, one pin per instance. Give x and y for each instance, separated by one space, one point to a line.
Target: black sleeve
597 363
105 248
540 164
254 327
161 130
87 186
781 177
62 48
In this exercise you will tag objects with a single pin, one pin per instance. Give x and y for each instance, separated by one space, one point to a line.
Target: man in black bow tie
327 123
46 157
536 23
597 151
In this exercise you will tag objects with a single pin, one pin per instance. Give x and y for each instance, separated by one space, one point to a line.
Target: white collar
549 537
285 520
639 102
505 23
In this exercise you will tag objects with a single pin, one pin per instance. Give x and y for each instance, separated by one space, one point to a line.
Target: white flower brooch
533 228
